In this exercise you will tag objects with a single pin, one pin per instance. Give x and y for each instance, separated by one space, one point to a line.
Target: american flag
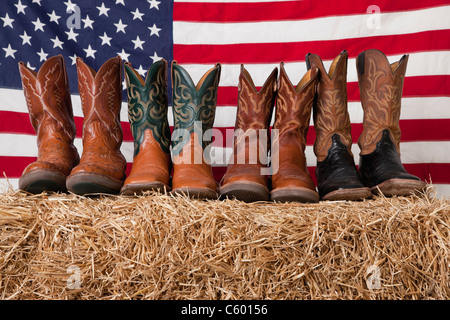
259 34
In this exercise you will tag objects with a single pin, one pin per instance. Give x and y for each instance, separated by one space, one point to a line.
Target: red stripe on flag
287 10
296 51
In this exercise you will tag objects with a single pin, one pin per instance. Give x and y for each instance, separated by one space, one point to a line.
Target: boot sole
40 181
348 194
398 187
197 193
93 183
245 191
294 195
140 188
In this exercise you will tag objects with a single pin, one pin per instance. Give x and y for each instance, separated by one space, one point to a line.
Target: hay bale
162 247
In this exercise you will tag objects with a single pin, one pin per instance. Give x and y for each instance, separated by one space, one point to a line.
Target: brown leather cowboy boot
193 111
381 87
47 95
337 177
293 112
102 165
244 179
147 113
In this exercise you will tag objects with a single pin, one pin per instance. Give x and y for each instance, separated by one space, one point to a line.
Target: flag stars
30 67
9 52
42 55
54 17
155 57
141 71
137 15
103 10
90 52
25 38
122 2
105 39
154 30
70 7
120 26
154 4
72 35
138 43
88 22
74 59
57 43
38 25
7 21
20 7
123 55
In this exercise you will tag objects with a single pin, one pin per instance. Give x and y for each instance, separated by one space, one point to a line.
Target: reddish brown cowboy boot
337 177
292 181
102 165
48 99
194 112
147 112
244 179
381 86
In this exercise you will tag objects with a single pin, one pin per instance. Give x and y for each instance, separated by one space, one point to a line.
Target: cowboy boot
193 111
102 165
381 86
292 181
244 179
147 113
47 95
337 177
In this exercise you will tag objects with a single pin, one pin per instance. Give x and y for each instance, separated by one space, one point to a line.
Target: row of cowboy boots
102 166
380 168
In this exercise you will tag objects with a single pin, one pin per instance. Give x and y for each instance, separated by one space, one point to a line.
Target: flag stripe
239 11
323 28
296 51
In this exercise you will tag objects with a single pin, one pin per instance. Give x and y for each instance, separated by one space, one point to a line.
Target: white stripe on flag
328 28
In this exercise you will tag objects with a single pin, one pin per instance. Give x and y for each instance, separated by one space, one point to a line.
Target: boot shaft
254 109
148 105
48 99
381 87
294 104
330 111
101 100
254 113
194 106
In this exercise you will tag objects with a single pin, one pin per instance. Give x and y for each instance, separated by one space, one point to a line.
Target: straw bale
157 246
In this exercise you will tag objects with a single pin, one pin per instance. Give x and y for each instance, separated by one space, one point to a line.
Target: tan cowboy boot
102 165
337 177
244 179
381 87
193 111
47 95
147 113
292 181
